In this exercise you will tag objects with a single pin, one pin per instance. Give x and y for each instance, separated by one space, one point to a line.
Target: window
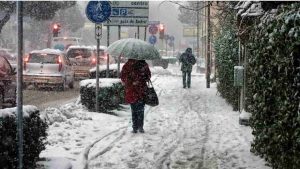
43 58
85 53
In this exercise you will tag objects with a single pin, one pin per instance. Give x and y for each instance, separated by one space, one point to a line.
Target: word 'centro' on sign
139 3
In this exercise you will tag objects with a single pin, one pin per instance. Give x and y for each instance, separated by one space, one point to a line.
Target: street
48 97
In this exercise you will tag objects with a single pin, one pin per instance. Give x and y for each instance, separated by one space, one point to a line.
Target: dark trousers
186 78
137 110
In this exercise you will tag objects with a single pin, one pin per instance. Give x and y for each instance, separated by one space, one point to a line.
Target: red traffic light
55 26
161 27
55 29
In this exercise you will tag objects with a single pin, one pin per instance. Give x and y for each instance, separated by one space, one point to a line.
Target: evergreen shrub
226 52
109 98
274 75
34 130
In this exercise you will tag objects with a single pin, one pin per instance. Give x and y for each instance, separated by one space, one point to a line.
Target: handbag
151 98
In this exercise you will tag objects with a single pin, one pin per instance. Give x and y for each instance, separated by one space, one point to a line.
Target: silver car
48 68
83 59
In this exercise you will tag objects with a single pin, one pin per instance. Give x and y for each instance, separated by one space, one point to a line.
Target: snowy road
191 128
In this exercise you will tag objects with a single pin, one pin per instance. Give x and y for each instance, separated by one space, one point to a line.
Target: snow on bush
34 132
111 94
226 46
274 84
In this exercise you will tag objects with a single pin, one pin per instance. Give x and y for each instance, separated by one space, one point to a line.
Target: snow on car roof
80 46
101 47
48 51
12 111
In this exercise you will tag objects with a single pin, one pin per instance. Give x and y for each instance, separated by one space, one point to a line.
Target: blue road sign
98 11
153 29
152 39
167 37
172 38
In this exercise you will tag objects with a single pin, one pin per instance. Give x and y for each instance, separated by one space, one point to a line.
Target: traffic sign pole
98 12
98 34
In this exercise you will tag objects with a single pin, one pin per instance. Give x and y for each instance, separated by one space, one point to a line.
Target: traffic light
55 29
161 31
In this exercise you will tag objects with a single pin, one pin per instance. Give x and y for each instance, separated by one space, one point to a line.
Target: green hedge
34 139
274 75
109 98
226 52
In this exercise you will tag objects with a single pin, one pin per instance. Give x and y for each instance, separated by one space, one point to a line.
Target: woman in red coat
134 75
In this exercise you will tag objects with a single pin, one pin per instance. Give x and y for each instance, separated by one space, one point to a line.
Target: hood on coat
188 50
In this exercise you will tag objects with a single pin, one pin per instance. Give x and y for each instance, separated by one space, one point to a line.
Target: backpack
191 59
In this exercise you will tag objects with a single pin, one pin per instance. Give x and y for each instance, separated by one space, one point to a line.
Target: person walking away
135 74
188 60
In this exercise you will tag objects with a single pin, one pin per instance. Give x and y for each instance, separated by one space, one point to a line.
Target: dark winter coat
135 74
188 60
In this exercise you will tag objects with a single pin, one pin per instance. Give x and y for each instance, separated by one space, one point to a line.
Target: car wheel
62 86
71 85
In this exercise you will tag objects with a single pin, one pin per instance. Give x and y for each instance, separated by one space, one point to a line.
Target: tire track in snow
122 129
164 160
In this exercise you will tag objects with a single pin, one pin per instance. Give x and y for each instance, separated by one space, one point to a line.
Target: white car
48 68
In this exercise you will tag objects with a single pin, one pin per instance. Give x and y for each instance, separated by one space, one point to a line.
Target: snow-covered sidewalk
191 128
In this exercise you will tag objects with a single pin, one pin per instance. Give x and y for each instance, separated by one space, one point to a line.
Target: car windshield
85 53
101 52
43 58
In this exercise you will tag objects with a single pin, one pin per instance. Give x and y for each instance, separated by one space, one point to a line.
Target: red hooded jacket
135 74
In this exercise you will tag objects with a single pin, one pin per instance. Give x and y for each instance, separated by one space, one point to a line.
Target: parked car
49 68
9 56
104 55
83 58
7 84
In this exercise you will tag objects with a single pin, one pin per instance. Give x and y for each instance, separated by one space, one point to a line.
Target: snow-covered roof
27 110
48 51
249 8
105 82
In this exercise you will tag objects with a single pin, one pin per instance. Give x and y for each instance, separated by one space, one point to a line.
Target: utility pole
19 84
198 33
208 47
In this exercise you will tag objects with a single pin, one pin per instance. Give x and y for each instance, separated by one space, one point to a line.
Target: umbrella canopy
133 49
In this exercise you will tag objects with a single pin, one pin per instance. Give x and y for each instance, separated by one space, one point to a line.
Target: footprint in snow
76 152
67 148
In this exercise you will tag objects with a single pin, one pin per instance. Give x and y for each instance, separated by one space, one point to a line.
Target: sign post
98 12
172 39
